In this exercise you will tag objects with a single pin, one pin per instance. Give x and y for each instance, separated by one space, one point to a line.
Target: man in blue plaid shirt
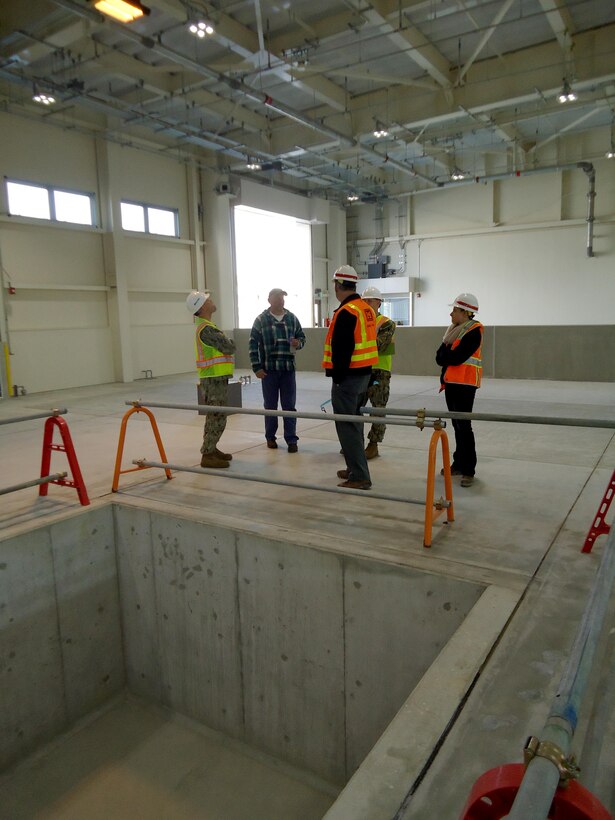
275 338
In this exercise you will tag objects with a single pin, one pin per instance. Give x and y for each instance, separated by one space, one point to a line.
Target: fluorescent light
380 132
253 164
352 198
123 10
457 175
610 154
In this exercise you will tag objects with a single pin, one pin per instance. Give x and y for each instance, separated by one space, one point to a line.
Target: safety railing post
120 446
438 435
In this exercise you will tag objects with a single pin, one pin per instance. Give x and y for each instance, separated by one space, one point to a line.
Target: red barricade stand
67 447
599 526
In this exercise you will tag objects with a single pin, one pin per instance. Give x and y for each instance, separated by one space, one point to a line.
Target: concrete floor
518 531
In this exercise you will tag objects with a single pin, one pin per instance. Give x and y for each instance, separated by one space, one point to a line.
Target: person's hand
260 374
294 342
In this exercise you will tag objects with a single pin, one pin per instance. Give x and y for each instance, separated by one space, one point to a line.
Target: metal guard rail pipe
34 483
61 412
447 414
141 463
291 414
542 777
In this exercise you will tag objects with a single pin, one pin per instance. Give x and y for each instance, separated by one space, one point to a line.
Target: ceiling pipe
590 171
242 88
232 83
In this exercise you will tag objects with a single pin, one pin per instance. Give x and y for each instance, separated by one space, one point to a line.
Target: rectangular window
47 202
144 218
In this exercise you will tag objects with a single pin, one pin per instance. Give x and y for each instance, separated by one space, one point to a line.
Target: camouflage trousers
213 391
378 395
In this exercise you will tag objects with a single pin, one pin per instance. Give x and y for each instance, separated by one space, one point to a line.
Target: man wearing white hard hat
214 362
350 352
380 383
460 358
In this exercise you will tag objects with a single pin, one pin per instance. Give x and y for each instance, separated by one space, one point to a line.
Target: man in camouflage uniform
378 390
214 361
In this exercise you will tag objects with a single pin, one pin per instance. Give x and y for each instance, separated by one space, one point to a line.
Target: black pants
460 397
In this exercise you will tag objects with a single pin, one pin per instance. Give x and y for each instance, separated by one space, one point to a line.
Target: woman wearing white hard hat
460 358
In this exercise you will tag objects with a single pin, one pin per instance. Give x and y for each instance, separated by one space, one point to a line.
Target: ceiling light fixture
566 94
380 131
352 198
123 10
42 98
200 28
253 164
457 175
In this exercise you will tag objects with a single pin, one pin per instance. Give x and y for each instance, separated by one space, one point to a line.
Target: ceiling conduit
242 88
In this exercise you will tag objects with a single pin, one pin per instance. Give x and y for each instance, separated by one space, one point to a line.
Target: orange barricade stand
438 435
66 447
120 446
599 525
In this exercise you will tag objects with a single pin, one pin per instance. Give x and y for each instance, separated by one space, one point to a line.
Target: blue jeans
280 384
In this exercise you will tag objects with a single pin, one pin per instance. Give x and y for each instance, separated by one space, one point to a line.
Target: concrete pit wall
303 654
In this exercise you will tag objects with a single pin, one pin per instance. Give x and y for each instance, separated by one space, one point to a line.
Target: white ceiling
302 84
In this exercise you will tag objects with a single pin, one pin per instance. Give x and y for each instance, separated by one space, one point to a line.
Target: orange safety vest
471 371
365 351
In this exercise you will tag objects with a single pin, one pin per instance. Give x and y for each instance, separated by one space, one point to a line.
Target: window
272 251
47 202
138 216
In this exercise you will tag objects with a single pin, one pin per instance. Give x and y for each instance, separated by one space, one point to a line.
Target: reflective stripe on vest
471 371
385 357
365 351
210 361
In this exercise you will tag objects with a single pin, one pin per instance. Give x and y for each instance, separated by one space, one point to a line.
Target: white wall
518 244
98 304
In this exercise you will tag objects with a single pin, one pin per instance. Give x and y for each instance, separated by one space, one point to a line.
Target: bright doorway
272 251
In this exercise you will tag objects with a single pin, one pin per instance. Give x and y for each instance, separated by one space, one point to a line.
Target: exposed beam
561 22
486 36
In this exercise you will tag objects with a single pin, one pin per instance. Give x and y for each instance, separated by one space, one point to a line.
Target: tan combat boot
371 451
211 460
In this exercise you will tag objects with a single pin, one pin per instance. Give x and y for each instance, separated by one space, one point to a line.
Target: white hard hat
466 301
371 293
346 273
196 299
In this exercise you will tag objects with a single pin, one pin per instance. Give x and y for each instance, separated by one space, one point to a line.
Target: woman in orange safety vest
460 358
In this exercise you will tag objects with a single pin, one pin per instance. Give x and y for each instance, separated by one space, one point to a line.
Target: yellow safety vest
210 361
385 357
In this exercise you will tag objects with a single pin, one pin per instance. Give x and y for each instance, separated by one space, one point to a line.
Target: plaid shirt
270 341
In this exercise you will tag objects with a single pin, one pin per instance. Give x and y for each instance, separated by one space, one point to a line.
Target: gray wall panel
397 621
292 639
88 609
569 353
198 624
32 704
139 605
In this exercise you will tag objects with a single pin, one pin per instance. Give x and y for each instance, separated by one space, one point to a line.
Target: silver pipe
61 412
35 482
247 477
591 196
446 414
289 414
542 776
